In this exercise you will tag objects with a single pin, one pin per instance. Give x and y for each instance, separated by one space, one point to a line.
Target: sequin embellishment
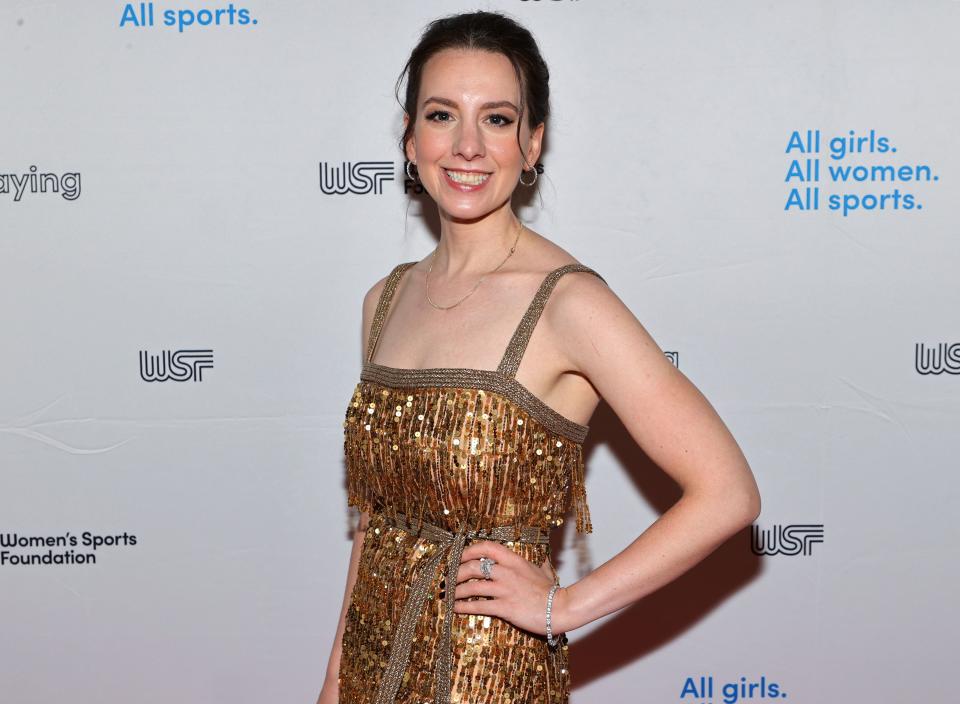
453 448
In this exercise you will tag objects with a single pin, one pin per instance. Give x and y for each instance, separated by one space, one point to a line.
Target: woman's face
465 138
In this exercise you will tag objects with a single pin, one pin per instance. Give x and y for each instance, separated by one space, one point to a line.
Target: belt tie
451 544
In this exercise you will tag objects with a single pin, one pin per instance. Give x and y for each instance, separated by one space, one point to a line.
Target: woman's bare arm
675 426
330 691
329 694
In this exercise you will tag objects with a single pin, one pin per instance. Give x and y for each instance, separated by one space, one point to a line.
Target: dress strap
383 306
521 336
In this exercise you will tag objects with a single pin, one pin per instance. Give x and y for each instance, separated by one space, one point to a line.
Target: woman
461 466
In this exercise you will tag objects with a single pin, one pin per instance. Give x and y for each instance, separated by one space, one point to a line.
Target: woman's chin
470 210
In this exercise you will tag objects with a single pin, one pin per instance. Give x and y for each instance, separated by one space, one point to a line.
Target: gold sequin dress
437 456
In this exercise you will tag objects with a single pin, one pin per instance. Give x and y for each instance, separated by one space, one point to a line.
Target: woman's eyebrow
485 106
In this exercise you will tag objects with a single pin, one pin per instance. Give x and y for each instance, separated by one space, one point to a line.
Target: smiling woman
461 466
465 147
483 69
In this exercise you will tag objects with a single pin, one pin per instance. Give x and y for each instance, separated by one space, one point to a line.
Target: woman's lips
464 187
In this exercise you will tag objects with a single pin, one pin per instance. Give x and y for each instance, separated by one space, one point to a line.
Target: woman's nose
469 142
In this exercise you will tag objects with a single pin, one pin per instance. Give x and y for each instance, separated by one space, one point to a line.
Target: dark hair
485 31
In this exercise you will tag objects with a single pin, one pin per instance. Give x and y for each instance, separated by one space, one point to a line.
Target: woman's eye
496 119
501 120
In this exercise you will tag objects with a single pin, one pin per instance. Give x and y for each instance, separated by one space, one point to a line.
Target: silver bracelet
551 641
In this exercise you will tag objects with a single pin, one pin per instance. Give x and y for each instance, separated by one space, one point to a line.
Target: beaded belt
453 545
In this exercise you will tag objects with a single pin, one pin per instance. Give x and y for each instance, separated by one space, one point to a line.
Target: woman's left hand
519 589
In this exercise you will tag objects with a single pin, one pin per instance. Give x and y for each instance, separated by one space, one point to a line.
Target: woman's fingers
470 570
481 587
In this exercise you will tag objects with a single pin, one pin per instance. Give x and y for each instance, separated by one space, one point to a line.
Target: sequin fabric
458 449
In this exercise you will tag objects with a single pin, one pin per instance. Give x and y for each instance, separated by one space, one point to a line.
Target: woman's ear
534 145
410 148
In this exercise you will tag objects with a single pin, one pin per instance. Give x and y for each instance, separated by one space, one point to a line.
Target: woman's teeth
470 179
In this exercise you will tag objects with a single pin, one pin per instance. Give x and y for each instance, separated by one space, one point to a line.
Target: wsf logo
360 178
181 365
938 358
786 540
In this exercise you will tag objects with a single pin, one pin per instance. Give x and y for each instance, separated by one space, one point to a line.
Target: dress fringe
578 491
359 491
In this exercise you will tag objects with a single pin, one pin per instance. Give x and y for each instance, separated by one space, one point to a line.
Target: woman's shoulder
372 297
577 287
571 270
396 270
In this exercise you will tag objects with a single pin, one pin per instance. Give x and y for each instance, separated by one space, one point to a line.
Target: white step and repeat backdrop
771 187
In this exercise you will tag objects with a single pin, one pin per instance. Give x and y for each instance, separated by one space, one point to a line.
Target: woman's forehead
469 74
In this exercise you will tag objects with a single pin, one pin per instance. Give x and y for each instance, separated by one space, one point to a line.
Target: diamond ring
485 567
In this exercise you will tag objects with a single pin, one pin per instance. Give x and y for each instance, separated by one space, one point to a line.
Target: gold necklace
429 300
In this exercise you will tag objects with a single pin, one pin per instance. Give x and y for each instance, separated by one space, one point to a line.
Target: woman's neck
474 247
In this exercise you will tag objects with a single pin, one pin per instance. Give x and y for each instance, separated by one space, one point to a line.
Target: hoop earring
410 175
534 170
